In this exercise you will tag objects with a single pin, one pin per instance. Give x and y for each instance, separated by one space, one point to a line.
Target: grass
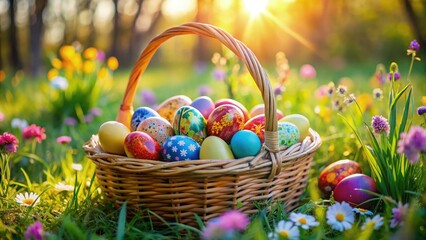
85 213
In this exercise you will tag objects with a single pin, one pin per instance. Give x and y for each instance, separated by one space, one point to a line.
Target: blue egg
288 134
141 114
245 143
180 148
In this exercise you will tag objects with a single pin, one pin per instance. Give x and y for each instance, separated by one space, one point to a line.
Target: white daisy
27 199
340 216
183 153
181 143
376 222
303 220
77 166
192 147
285 230
174 149
63 187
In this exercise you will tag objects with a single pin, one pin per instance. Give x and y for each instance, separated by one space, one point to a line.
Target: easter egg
180 148
288 134
332 174
158 128
215 148
240 106
256 124
190 122
300 121
350 190
168 108
141 145
245 143
203 104
141 114
260 109
225 121
111 137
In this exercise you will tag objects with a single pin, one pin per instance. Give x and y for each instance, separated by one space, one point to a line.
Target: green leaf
121 228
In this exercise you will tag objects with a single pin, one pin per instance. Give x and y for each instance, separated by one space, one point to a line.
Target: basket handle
240 50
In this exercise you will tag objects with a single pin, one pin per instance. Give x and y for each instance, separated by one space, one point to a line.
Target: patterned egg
332 174
203 104
168 108
301 122
158 128
288 134
225 121
256 124
180 148
235 103
190 122
141 114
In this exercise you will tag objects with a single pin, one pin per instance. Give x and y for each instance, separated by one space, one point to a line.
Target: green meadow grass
85 213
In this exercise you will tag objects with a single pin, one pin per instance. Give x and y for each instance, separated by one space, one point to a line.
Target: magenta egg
225 121
203 104
350 190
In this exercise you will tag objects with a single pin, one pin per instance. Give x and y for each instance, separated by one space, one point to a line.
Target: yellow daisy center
340 217
28 201
303 221
283 233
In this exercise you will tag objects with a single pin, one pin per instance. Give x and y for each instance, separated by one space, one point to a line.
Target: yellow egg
215 148
301 122
111 137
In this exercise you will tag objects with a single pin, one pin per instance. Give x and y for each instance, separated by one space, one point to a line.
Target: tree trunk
415 24
115 32
36 33
15 59
202 55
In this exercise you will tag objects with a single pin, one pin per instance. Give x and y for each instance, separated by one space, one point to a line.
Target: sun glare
255 7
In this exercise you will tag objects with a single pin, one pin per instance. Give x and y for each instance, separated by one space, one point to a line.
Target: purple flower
380 124
278 90
421 110
88 118
399 215
308 71
225 225
34 132
397 76
219 74
414 45
412 143
35 231
204 90
100 56
70 121
148 97
9 141
95 111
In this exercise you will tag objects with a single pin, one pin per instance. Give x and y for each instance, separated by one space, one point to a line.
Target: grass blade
121 228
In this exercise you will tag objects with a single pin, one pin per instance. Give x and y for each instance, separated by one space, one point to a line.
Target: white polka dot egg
180 148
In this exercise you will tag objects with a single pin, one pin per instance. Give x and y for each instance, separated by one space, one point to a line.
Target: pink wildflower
9 141
35 231
69 121
226 224
412 143
63 139
308 71
34 132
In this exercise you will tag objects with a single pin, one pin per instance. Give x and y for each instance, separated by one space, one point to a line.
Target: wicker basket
178 190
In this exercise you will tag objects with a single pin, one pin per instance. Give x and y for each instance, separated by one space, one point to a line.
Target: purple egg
141 114
204 105
349 190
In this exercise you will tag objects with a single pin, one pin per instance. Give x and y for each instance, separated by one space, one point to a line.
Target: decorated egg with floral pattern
225 121
190 122
158 128
168 108
180 148
240 106
332 174
288 134
141 114
256 124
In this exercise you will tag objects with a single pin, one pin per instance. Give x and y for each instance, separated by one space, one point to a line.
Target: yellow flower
88 67
102 73
90 53
112 63
56 63
77 62
67 52
424 100
52 73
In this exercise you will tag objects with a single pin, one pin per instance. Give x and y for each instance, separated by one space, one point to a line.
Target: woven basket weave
178 190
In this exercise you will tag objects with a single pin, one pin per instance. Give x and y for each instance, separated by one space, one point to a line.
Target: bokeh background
324 32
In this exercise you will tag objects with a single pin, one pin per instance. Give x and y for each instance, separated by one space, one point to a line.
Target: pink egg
225 121
205 105
350 190
260 109
235 103
158 128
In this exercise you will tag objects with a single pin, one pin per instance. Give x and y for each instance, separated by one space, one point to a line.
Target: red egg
225 121
260 109
141 145
334 173
256 124
350 190
235 103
